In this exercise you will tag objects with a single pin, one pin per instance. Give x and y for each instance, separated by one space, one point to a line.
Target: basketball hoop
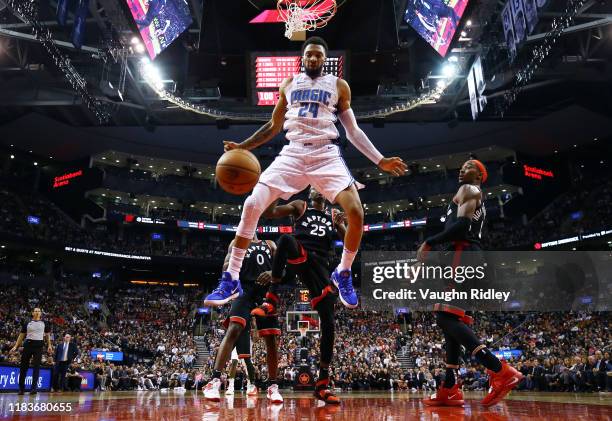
305 15
303 326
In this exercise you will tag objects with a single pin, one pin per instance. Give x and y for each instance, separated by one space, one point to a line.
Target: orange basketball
238 171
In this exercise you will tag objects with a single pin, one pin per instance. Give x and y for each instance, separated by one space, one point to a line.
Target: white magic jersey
311 109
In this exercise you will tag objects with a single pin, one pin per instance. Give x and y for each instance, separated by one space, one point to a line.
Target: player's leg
269 330
325 308
449 393
231 375
350 202
236 323
229 287
288 251
243 348
502 377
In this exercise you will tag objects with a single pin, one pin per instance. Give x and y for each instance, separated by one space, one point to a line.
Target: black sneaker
33 392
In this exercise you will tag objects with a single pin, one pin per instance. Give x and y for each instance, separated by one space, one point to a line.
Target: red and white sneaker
446 397
211 390
273 395
252 390
500 384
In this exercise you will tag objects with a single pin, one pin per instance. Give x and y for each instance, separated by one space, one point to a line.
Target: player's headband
483 170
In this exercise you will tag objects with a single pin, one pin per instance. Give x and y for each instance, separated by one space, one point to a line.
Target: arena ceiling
568 101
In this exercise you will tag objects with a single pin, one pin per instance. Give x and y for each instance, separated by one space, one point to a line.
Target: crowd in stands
154 329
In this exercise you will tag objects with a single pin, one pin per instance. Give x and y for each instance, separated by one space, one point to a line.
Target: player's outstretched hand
394 166
264 278
13 350
228 146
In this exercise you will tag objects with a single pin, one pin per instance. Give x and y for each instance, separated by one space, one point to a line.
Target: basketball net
303 329
304 15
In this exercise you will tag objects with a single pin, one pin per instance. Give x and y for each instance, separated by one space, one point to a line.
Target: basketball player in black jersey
308 252
463 230
258 260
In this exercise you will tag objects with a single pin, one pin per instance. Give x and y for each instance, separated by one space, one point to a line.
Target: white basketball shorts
319 165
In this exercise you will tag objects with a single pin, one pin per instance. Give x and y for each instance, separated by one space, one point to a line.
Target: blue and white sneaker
344 282
227 290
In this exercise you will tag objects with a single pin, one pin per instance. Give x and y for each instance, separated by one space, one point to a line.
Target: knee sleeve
254 205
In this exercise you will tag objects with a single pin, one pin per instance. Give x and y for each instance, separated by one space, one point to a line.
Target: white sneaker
252 390
229 391
273 395
211 390
251 402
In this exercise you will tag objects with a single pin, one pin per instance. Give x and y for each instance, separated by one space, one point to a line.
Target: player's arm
268 130
20 339
294 209
468 198
359 139
227 256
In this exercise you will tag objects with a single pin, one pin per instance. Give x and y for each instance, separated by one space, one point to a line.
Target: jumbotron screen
435 20
159 22
269 69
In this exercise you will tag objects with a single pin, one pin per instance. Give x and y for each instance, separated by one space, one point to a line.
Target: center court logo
405 271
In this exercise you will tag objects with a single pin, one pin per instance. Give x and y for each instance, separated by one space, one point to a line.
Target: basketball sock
347 259
490 361
450 378
235 262
216 374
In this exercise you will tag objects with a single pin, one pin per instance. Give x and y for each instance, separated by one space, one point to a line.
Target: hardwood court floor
374 406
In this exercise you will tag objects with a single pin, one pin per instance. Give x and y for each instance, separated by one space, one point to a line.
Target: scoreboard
268 70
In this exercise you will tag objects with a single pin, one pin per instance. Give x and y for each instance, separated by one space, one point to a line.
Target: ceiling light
469 23
463 34
139 48
12 156
35 163
134 40
449 70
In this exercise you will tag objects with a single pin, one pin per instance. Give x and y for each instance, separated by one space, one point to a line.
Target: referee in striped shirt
35 333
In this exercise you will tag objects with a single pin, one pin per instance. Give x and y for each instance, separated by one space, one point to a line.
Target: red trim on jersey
299 260
327 290
272 297
269 332
236 319
447 308
244 356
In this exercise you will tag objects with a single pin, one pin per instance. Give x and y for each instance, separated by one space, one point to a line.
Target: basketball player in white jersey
308 107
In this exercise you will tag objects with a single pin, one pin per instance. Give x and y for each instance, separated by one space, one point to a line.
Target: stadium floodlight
449 70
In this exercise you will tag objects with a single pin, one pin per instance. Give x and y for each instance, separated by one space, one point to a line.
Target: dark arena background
113 115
